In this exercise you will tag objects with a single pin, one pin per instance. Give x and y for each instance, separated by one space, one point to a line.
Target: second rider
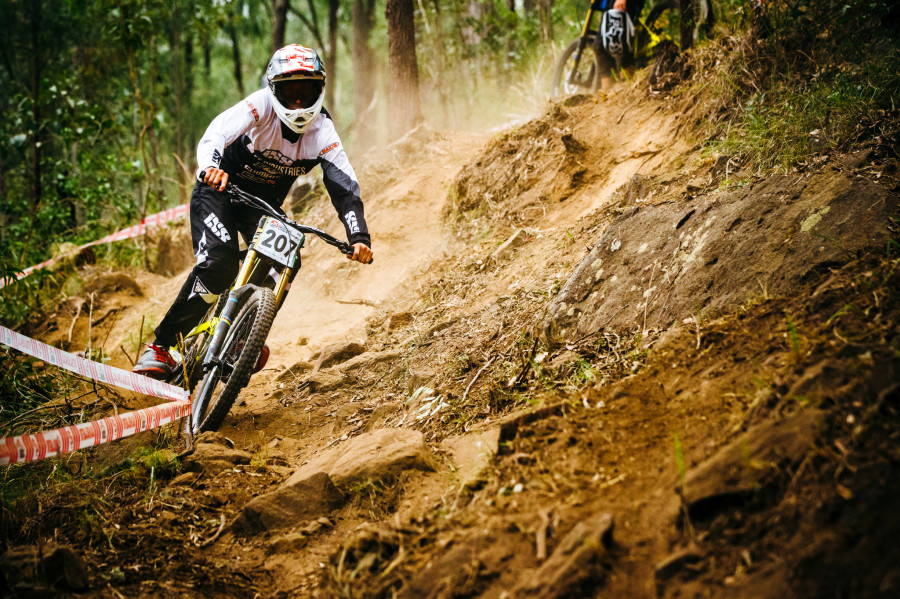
261 145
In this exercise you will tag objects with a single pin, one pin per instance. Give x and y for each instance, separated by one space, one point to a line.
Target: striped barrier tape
26 448
154 220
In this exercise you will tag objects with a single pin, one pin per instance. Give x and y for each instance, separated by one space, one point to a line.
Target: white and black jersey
264 158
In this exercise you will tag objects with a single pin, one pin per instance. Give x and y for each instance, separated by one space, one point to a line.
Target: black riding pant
607 62
215 225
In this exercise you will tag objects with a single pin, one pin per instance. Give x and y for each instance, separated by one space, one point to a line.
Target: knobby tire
588 67
242 347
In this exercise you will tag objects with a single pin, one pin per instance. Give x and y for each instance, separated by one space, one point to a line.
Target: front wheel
237 358
577 77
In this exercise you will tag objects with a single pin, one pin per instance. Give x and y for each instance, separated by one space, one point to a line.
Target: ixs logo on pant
215 225
350 217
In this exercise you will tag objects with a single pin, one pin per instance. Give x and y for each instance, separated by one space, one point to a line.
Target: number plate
279 242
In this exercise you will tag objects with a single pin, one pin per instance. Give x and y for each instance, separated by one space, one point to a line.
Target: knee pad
616 34
218 271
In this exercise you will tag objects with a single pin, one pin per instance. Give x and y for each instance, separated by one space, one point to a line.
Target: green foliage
810 76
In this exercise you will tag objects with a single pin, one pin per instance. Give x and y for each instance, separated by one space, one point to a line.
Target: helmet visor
298 93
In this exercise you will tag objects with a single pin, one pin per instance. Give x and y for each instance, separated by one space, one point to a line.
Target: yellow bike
578 69
220 355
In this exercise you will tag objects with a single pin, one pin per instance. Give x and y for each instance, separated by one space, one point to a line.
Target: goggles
299 93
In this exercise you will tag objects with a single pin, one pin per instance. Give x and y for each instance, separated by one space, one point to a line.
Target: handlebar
239 196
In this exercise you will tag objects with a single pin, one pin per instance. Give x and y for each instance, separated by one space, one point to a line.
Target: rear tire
586 79
240 351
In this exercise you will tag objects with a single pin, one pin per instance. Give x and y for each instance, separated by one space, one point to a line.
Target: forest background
103 102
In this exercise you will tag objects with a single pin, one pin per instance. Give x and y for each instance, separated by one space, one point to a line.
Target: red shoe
155 362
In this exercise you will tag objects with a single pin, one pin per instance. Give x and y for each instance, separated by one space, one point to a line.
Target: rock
52 565
776 224
472 454
336 353
288 543
185 479
517 239
303 340
212 458
298 499
576 567
674 563
214 437
173 251
380 454
748 463
369 359
399 320
320 382
294 371
114 282
418 378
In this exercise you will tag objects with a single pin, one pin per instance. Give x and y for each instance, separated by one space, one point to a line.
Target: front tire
240 351
585 80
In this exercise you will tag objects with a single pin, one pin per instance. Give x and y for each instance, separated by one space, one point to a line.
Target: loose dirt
632 372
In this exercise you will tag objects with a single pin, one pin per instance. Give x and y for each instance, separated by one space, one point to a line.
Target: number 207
278 242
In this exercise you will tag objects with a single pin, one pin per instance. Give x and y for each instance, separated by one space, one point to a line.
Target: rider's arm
224 129
341 184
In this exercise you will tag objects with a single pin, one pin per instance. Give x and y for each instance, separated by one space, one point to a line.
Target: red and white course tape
154 220
26 448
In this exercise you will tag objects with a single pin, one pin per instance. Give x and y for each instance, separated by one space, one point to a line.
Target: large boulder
308 498
312 491
35 568
377 455
773 237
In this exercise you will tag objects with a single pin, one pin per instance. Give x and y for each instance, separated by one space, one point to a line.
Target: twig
359 302
212 539
477 374
126 355
115 317
74 320
540 540
90 326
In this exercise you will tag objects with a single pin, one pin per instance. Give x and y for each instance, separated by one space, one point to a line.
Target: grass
813 77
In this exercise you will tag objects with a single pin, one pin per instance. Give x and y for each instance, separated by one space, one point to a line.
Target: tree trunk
178 89
36 187
440 53
236 58
363 73
545 10
688 19
4 217
404 105
280 7
331 58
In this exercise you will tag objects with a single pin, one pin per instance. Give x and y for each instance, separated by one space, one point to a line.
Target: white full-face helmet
296 81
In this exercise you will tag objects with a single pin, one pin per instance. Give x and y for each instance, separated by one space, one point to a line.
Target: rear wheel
240 351
581 78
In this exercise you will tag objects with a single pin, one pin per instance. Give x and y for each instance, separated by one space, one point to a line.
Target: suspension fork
282 285
582 43
228 312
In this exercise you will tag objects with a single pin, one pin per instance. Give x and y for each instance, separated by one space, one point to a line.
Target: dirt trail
576 381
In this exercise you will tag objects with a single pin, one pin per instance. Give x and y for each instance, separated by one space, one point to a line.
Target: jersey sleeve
226 128
341 184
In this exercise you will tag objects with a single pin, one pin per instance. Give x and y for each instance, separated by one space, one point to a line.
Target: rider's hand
215 178
619 5
361 253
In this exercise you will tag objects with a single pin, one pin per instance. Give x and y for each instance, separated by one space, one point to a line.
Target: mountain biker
614 39
261 144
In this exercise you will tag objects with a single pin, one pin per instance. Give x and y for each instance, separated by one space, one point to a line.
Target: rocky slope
590 360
